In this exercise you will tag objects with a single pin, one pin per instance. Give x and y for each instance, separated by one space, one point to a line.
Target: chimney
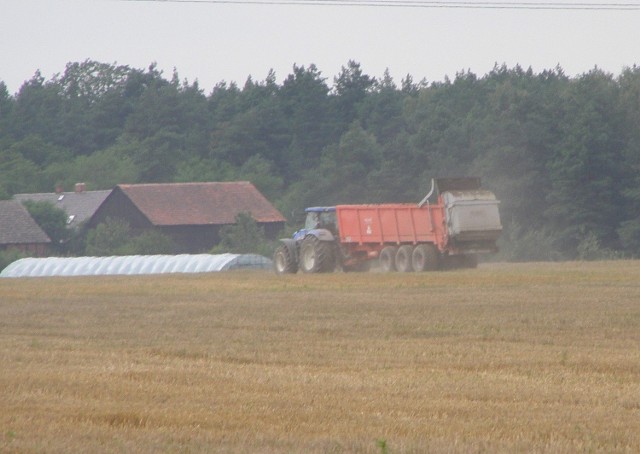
80 188
59 189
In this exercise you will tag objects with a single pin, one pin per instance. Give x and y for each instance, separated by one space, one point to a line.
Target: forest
561 153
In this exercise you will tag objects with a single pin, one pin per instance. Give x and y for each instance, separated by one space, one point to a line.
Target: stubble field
504 358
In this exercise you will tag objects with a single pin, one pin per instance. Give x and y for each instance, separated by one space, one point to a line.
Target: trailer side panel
391 224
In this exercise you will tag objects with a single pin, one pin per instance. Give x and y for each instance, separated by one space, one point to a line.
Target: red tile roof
200 203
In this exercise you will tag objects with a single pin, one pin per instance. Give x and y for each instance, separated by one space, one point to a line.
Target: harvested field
527 357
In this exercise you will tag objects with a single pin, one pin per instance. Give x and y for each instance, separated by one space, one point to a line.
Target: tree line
561 153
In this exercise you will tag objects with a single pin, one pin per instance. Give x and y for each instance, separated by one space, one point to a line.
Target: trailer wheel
388 259
425 258
403 259
284 262
316 256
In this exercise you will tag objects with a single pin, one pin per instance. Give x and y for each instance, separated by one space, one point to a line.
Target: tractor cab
321 218
318 219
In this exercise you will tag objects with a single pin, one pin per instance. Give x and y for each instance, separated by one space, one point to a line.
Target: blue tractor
313 248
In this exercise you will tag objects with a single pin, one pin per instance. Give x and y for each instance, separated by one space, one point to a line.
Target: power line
585 6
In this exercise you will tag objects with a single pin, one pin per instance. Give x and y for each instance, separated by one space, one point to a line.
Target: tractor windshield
312 221
321 220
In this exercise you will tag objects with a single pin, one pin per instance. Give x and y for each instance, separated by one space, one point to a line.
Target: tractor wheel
316 256
388 259
284 262
403 259
425 258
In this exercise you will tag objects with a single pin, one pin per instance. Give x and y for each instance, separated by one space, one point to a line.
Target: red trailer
449 227
365 231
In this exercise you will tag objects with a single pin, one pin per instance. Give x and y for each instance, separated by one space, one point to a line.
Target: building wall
192 239
31 249
272 230
118 206
195 239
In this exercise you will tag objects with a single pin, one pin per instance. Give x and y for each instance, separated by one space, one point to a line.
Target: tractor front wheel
316 256
284 262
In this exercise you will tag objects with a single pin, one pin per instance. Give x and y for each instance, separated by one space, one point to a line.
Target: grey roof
79 206
17 226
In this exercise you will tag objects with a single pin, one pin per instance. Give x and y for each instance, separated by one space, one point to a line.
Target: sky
214 42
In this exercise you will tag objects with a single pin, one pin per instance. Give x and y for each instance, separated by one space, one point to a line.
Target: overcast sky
212 42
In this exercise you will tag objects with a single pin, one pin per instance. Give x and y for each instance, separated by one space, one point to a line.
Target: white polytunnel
133 264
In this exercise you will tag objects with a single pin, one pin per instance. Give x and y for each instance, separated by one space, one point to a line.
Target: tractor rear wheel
284 262
425 258
403 259
316 256
388 259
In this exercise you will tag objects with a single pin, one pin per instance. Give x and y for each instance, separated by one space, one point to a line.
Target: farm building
18 230
79 205
191 214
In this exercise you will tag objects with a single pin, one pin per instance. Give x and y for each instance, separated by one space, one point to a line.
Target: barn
191 214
